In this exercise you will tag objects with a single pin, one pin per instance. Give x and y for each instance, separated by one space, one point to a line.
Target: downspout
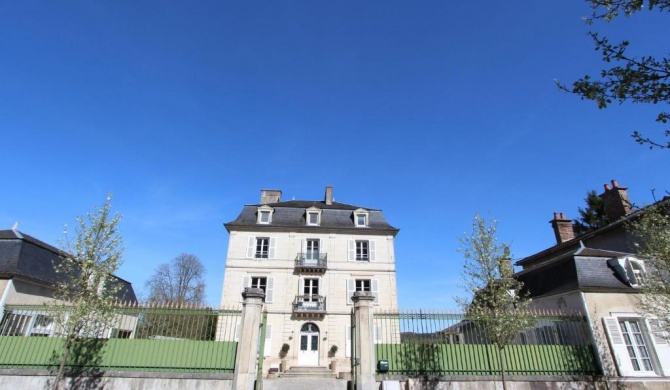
3 299
592 334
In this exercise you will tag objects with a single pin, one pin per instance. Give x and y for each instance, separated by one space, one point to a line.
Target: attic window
630 270
265 215
313 217
361 218
636 272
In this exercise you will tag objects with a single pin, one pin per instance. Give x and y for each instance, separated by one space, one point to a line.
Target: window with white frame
313 217
23 323
261 248
264 283
265 215
312 249
259 282
636 272
361 218
638 351
629 269
362 250
363 285
366 285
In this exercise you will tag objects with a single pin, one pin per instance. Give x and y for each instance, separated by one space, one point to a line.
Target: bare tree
179 282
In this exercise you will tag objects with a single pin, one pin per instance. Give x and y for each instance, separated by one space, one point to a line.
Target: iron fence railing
443 343
140 338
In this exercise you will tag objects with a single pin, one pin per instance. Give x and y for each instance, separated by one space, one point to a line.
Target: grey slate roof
586 269
292 214
24 256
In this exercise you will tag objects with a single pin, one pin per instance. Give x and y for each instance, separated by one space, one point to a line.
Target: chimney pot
607 187
614 183
555 215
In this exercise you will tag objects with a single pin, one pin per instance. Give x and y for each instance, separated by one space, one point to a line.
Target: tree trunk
61 367
501 356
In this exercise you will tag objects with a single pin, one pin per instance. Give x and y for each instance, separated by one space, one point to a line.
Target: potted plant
282 354
333 351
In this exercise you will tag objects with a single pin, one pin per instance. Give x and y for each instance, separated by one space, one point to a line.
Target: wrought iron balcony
311 262
309 305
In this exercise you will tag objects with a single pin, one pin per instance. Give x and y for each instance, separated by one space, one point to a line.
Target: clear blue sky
431 111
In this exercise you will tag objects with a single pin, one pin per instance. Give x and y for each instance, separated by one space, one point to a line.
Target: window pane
303 343
315 343
360 220
262 245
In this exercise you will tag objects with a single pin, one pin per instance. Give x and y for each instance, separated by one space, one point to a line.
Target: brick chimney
270 196
563 229
329 195
615 201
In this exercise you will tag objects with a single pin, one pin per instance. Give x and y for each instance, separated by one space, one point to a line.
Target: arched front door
309 345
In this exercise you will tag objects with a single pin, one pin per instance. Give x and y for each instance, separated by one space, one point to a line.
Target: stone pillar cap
363 296
250 292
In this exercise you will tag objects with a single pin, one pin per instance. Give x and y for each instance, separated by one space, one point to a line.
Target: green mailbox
383 366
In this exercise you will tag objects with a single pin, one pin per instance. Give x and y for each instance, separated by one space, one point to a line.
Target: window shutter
268 340
271 254
251 247
237 331
351 287
352 250
661 343
301 286
269 290
373 255
374 286
347 344
618 346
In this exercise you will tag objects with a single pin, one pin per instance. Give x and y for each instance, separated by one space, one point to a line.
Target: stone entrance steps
304 383
308 372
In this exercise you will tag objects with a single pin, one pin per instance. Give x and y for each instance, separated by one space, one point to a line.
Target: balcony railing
311 262
309 304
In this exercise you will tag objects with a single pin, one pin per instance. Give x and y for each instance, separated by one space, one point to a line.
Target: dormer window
630 270
265 215
636 272
313 216
361 218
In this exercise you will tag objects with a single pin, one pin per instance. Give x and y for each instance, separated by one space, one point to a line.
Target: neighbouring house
600 275
310 257
27 277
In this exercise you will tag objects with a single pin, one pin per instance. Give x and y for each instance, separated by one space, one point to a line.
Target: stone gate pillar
365 348
247 345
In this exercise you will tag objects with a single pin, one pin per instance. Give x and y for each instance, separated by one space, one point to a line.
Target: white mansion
309 257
